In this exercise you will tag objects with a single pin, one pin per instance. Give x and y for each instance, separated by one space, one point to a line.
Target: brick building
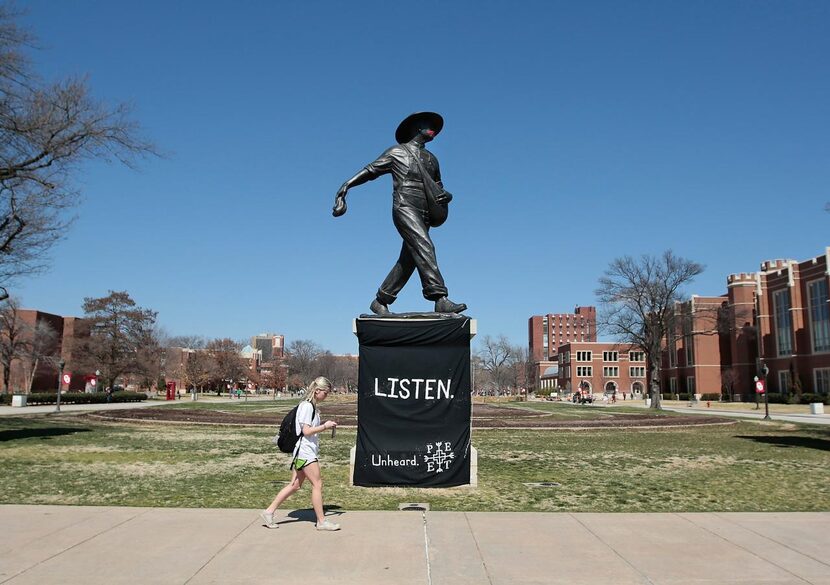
42 374
793 323
271 346
602 368
779 315
697 346
546 333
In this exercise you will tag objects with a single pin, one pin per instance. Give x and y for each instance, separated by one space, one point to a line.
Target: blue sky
575 133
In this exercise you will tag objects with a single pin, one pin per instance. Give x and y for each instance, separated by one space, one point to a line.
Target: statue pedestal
414 402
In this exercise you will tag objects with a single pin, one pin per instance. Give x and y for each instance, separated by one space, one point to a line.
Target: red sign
760 387
67 378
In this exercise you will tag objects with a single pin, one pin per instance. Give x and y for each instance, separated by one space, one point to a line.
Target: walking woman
305 463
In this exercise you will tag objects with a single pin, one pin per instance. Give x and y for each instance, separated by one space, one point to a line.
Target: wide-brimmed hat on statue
409 127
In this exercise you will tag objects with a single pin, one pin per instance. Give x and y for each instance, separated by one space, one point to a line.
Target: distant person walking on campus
305 463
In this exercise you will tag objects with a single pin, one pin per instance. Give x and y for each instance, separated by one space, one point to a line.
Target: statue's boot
378 308
445 305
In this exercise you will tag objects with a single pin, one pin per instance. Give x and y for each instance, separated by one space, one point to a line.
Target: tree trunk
30 377
654 390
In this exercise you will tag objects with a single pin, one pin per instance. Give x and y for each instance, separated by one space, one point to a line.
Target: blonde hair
321 383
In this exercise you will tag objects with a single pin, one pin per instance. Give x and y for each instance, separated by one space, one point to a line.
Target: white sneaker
268 520
326 525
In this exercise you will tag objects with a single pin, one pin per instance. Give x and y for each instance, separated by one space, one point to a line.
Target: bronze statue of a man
415 179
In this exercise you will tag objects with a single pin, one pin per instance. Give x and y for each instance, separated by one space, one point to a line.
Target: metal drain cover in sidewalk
413 507
541 484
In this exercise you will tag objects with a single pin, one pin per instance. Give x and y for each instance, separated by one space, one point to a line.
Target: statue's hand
444 197
339 204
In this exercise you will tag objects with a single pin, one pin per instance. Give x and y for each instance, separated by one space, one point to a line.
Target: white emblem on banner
439 456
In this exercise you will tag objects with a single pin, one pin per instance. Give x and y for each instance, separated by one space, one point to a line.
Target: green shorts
298 464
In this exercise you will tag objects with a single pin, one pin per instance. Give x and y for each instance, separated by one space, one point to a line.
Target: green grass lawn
747 466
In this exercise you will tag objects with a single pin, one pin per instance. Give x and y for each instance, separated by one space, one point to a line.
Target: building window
567 371
690 384
636 356
673 385
783 322
610 356
688 340
611 371
822 380
568 357
586 371
819 314
637 371
671 342
784 381
583 356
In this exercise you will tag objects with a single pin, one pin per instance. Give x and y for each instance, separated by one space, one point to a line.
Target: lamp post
764 374
61 366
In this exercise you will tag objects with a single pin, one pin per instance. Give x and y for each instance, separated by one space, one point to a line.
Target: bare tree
187 341
42 348
119 331
228 363
302 359
150 358
341 370
273 376
477 373
497 358
729 377
28 345
326 365
47 130
14 334
637 297
345 375
522 367
198 370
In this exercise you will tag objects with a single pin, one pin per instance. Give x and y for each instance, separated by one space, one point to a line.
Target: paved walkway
812 419
44 545
805 418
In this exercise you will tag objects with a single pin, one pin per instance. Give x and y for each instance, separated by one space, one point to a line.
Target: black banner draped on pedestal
413 408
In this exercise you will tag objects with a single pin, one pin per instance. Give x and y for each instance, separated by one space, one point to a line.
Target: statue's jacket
407 183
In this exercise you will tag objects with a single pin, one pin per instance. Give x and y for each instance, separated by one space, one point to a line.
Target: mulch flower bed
484 417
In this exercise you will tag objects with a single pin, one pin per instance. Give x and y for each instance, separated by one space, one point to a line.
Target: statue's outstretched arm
340 199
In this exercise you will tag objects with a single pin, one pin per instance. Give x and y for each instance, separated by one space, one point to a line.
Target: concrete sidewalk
805 418
87 545
810 419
